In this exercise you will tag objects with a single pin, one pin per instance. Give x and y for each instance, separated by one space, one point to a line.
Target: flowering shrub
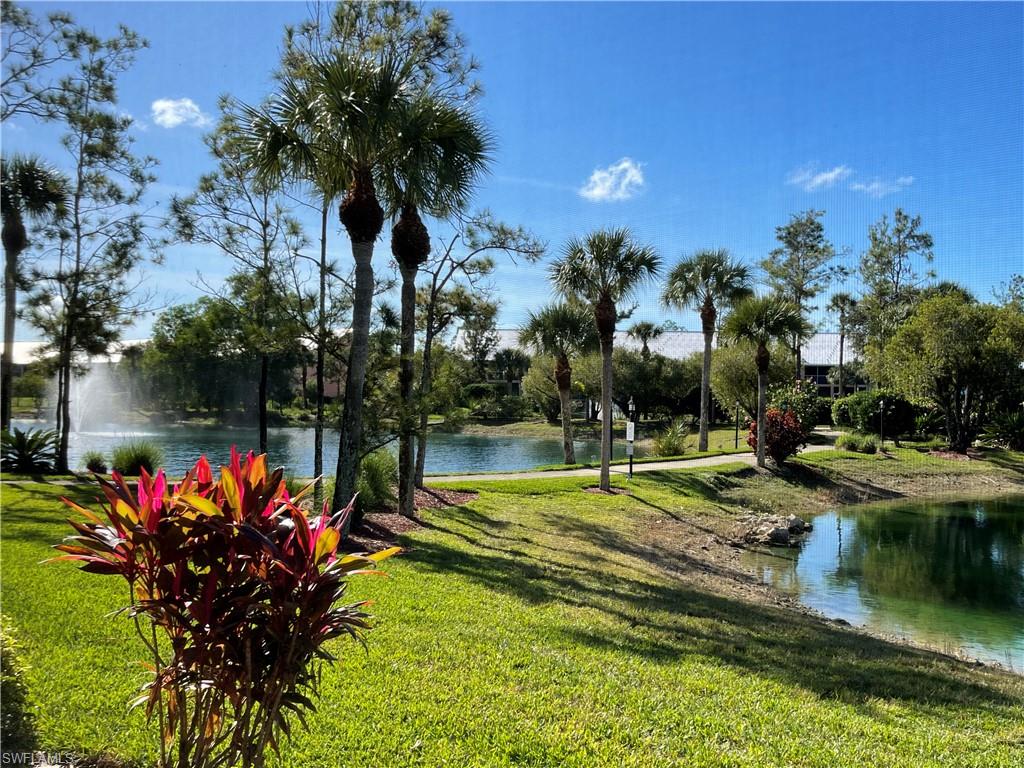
800 398
243 586
783 435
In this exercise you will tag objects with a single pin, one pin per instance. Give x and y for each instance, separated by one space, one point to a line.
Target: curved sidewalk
616 469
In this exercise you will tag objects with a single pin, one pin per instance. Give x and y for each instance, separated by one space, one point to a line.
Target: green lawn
541 626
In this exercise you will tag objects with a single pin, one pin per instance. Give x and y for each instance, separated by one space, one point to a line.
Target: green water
950 574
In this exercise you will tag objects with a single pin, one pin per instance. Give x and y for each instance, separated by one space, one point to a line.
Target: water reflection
950 574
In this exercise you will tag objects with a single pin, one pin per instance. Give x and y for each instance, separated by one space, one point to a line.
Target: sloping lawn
533 627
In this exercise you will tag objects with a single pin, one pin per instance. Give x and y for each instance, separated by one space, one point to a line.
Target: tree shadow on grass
665 621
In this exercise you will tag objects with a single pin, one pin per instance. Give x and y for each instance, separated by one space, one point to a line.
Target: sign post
630 435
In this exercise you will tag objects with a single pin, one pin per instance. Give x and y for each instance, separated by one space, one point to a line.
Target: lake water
292 447
947 574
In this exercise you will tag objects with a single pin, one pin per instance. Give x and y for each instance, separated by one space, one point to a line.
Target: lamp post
881 422
630 434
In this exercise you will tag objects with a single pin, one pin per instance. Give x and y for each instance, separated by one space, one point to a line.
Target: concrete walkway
616 469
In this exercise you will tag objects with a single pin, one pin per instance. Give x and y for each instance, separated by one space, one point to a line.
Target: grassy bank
540 625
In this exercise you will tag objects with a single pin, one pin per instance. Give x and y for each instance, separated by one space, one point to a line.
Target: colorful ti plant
243 587
784 435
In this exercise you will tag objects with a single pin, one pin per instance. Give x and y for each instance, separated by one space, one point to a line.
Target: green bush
94 461
800 399
17 727
31 451
505 407
454 420
378 477
862 412
824 415
672 442
129 458
850 441
1006 430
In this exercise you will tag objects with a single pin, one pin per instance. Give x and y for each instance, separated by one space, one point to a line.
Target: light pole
736 437
881 421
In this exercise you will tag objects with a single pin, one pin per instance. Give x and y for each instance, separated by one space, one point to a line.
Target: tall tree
29 189
963 356
801 267
87 295
762 320
645 332
843 305
444 150
378 32
605 269
706 281
33 51
240 215
562 331
892 283
456 289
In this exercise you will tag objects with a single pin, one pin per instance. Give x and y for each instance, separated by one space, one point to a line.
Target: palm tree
762 320
843 304
645 333
602 270
30 189
511 364
706 281
563 331
444 149
344 113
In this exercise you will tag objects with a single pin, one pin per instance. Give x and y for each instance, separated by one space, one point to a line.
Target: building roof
819 349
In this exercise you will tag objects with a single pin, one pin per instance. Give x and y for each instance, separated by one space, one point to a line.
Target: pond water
292 447
950 574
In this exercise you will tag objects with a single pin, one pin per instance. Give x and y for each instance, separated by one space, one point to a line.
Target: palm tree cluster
600 273
394 147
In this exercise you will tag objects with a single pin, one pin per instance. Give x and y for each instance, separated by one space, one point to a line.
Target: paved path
616 469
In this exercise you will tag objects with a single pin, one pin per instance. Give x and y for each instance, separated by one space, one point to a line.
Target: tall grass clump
135 455
378 478
672 442
94 461
850 441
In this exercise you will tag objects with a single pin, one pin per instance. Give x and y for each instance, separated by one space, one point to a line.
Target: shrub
244 588
454 420
17 726
504 407
672 442
850 441
31 451
862 411
783 435
1006 430
800 398
378 477
134 456
95 462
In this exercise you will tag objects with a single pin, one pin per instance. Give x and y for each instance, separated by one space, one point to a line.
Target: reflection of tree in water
940 554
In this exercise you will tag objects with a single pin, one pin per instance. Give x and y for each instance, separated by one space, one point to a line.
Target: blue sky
697 125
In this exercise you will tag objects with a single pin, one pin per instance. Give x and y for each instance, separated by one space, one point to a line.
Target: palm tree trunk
64 400
762 407
563 378
349 442
406 460
262 396
842 339
708 322
321 342
10 313
426 383
606 413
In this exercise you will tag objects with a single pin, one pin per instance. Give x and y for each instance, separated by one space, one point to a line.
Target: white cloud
881 187
619 181
170 113
809 178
